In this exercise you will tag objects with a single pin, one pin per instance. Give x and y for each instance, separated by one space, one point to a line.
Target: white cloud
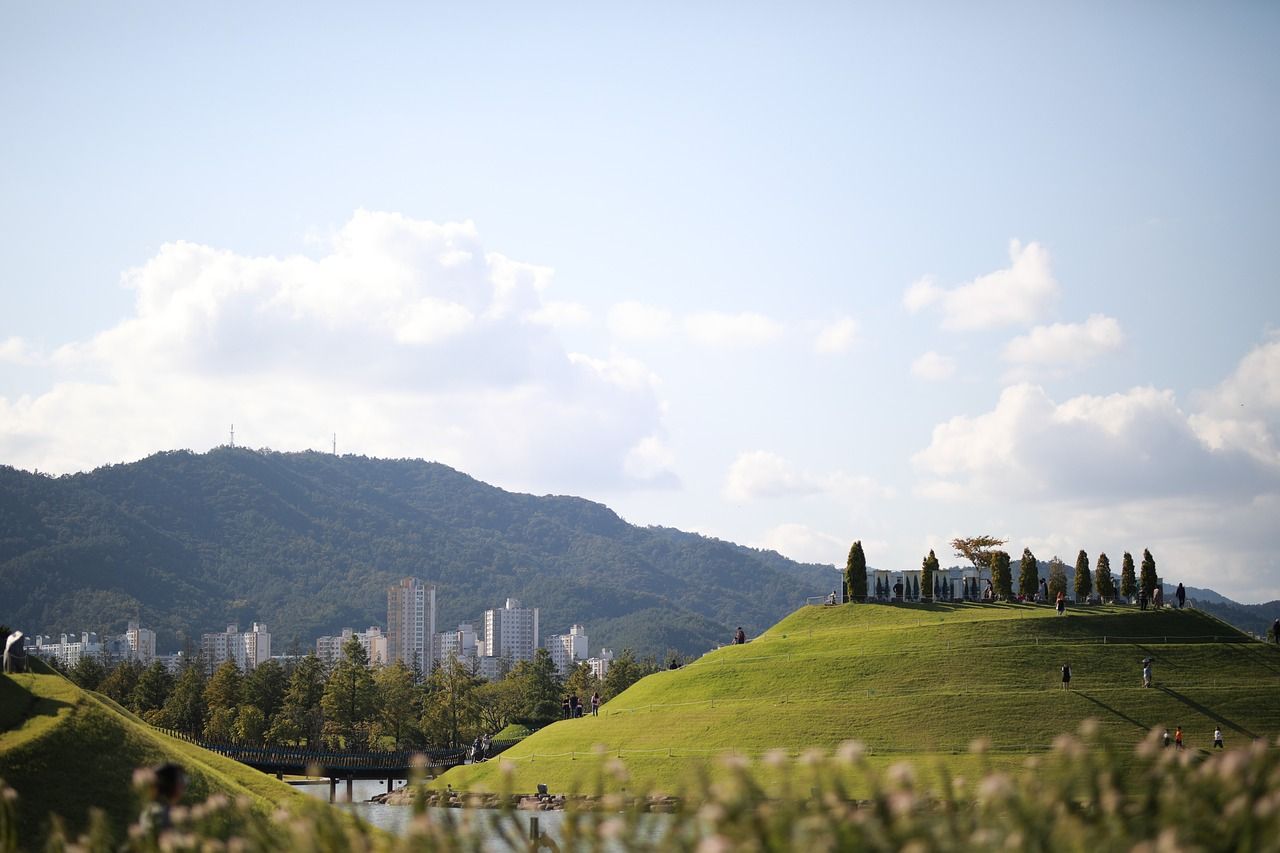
639 322
1017 295
933 367
17 351
1130 445
731 330
837 337
405 337
804 543
560 315
1243 412
651 461
1066 345
762 474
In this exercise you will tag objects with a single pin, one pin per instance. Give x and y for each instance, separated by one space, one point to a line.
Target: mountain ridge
308 542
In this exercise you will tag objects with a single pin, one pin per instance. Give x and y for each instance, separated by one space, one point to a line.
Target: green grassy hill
920 681
65 751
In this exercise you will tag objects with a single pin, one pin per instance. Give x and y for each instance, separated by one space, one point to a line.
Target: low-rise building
247 649
329 649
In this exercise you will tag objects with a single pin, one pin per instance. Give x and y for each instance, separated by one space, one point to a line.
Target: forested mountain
309 542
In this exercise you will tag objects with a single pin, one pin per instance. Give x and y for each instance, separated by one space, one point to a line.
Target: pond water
396 819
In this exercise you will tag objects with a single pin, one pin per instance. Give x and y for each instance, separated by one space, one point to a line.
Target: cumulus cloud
804 543
406 337
1243 412
933 367
759 474
17 351
1065 345
837 337
560 315
731 330
1134 444
1016 295
639 322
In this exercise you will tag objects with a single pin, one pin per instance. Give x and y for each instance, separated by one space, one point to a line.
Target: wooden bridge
335 764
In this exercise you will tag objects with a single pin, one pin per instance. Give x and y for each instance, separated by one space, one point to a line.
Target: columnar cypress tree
915 588
1102 579
928 577
1001 576
855 574
1057 579
1028 574
1084 581
1128 584
1148 579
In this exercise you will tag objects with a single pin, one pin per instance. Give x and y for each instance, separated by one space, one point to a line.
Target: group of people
480 748
571 706
1146 673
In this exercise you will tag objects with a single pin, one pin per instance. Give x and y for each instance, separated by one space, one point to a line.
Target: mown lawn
913 682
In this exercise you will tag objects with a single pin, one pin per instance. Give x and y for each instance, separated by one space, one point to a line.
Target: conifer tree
915 588
1084 580
300 717
1028 575
928 575
1148 579
349 698
1102 580
1057 578
1128 583
1001 576
855 574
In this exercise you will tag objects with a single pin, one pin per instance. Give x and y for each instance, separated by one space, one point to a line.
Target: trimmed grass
74 750
916 682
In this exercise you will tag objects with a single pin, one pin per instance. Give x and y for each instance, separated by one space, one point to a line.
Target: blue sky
787 274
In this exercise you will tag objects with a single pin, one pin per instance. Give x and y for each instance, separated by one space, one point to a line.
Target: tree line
984 553
349 705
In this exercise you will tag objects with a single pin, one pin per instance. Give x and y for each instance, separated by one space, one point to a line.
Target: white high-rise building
461 643
567 649
511 631
411 623
142 644
247 650
600 666
329 649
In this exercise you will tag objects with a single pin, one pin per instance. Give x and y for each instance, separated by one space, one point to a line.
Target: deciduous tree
977 549
1057 578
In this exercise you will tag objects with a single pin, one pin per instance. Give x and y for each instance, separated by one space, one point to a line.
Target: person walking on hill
1066 676
1062 603
1042 596
1275 630
1165 738
1157 598
1142 599
740 637
595 704
1177 738
1217 738
1181 596
1146 672
564 707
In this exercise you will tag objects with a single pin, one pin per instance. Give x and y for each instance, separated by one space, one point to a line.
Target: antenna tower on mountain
233 435
335 444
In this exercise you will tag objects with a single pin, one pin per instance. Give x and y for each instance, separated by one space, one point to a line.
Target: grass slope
65 751
920 681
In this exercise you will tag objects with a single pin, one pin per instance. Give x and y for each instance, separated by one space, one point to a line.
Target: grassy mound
65 751
918 681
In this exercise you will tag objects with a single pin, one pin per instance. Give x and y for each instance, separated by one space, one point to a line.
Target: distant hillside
915 682
309 542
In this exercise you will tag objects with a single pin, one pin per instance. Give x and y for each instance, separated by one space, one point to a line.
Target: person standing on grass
1146 672
595 704
1165 737
1066 676
1275 630
1062 602
1217 738
1177 738
1181 596
740 637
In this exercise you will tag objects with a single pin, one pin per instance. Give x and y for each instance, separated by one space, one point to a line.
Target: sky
787 274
